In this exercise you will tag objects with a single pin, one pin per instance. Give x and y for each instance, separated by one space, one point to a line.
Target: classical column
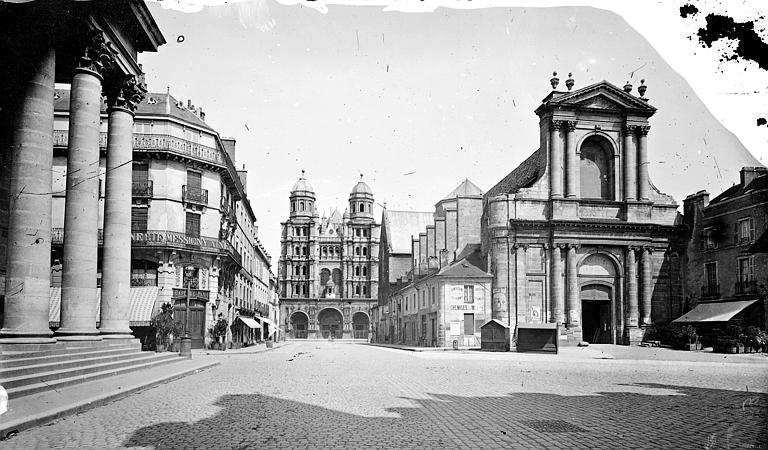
646 292
556 285
122 99
632 308
555 160
572 277
28 276
643 183
630 165
521 282
81 211
572 187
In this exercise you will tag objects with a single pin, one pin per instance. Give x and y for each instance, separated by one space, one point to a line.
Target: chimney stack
750 173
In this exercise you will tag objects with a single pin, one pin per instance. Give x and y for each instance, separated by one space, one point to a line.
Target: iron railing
142 189
192 194
745 287
142 281
710 290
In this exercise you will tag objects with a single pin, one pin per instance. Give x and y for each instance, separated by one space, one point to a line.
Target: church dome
362 188
302 186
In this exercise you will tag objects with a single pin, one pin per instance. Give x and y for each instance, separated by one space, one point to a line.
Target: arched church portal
360 325
598 279
331 323
299 325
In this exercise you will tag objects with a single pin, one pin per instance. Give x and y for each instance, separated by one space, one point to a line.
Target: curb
7 430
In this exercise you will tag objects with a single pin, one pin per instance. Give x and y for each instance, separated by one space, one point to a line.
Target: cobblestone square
335 395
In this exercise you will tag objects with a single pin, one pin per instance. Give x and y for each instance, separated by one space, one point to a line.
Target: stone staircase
27 369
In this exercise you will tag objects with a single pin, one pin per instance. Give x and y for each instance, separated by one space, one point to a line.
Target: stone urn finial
642 88
554 81
570 81
628 87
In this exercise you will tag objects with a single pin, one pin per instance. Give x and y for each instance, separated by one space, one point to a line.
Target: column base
77 335
117 336
634 335
27 340
570 336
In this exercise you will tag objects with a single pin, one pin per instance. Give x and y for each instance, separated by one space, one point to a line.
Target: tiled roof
465 188
523 176
401 225
468 266
758 184
154 104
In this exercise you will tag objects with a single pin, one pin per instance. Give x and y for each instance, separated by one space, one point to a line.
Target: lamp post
185 349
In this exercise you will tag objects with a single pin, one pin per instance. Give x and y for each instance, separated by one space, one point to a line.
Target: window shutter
139 220
751 229
193 224
736 233
751 268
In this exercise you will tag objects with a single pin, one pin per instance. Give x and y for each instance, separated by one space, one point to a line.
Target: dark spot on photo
688 10
761 121
749 44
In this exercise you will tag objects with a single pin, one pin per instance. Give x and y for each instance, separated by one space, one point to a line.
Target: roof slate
522 176
465 188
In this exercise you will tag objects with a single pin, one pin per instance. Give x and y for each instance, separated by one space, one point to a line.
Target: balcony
196 195
57 236
142 189
712 290
194 294
745 287
174 240
143 281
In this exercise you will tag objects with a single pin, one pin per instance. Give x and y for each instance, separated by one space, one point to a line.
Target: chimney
692 207
189 104
243 174
750 173
202 114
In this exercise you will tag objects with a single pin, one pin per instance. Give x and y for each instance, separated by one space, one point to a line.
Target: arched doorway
597 278
299 325
360 324
596 168
331 323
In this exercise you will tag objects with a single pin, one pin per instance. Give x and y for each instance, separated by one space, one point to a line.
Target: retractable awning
272 327
250 322
714 312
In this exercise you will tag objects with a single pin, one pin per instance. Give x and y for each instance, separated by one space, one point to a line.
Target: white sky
316 88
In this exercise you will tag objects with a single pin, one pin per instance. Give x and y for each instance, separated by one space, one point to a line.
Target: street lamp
185 349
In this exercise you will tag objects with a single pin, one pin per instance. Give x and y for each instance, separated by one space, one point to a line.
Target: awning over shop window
272 327
142 305
250 322
714 312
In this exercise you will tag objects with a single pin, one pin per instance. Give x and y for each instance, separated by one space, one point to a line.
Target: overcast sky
419 101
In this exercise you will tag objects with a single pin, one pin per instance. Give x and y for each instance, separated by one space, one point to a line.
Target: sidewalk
39 409
410 348
250 350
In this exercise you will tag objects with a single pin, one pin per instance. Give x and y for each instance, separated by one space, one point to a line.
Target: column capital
557 124
573 246
125 93
570 125
559 245
643 130
647 249
97 53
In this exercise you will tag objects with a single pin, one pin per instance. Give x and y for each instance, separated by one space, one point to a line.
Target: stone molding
98 53
125 93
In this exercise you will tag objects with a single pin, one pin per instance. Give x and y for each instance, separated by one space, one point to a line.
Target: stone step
60 362
155 360
69 354
46 378
60 348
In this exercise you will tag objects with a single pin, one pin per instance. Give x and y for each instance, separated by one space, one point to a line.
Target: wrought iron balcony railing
711 290
193 194
745 287
142 189
57 236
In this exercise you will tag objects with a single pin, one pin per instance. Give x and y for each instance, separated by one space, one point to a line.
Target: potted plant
165 327
220 332
689 337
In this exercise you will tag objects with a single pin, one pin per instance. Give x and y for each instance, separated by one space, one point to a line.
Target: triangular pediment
601 95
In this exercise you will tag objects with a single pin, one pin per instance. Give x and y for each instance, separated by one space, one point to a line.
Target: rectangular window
423 299
710 242
469 324
469 294
744 231
139 220
193 224
710 270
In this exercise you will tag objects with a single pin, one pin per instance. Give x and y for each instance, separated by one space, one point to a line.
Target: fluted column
81 211
122 99
646 292
572 277
643 183
630 165
556 285
572 187
555 160
632 307
28 276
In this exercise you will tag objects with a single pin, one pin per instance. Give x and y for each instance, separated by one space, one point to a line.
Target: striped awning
143 300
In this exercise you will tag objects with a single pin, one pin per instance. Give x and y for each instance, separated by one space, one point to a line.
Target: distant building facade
329 267
724 268
577 234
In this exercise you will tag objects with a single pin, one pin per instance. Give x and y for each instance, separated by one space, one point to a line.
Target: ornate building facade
328 269
577 234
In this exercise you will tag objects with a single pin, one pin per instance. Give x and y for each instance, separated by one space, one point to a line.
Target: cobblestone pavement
336 395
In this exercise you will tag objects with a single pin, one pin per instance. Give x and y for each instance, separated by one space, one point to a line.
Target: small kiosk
494 337
538 337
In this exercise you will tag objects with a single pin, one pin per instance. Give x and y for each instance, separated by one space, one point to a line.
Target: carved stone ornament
570 125
97 53
125 93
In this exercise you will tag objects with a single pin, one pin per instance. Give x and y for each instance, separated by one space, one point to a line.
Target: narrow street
336 395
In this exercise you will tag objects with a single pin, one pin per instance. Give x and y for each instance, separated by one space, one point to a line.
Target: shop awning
272 327
250 322
142 305
714 312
